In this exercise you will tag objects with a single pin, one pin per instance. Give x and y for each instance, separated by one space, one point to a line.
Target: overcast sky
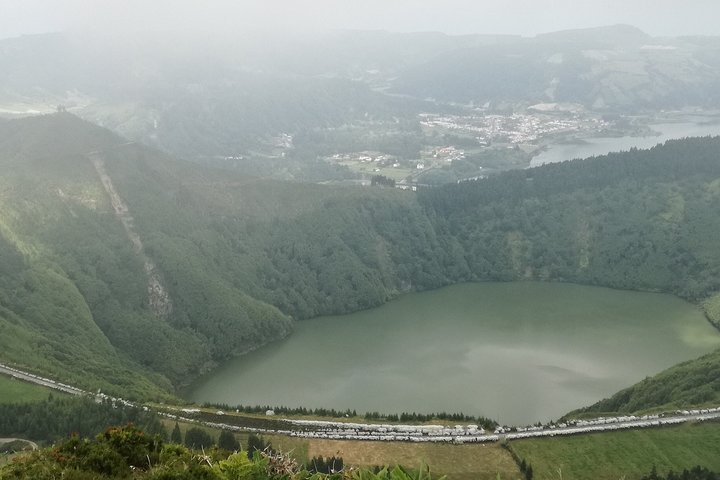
526 17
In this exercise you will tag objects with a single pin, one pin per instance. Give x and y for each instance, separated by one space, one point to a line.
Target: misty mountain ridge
228 96
610 35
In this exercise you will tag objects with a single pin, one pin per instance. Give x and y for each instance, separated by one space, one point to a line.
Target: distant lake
518 352
604 145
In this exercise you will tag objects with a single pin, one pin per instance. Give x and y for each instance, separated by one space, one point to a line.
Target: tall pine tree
176 435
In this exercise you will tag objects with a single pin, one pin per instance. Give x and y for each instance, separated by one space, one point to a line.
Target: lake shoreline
549 363
655 131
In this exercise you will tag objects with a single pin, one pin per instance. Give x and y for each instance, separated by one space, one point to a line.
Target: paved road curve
3 441
46 382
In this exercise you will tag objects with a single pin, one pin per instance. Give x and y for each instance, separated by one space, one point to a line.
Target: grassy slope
458 462
627 455
7 458
17 391
695 382
49 199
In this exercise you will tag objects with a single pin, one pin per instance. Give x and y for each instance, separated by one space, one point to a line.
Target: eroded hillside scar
158 297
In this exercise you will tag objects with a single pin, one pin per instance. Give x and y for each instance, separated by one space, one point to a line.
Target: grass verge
13 390
627 454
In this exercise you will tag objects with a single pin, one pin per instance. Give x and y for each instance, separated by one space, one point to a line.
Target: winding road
408 433
46 382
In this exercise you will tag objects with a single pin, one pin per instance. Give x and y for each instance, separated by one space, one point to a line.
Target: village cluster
450 138
515 129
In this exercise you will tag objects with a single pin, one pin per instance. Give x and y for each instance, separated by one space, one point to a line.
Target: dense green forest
242 258
637 220
56 418
695 473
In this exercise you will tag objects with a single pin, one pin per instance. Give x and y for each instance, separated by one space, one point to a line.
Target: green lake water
516 352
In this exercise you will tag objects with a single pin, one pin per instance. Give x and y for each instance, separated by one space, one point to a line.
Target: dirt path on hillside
158 297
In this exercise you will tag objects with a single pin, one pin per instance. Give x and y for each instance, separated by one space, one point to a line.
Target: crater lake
518 352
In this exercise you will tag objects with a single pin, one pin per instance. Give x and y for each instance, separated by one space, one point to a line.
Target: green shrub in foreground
128 453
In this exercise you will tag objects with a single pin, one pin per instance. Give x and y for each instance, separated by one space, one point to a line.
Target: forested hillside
240 258
75 297
638 220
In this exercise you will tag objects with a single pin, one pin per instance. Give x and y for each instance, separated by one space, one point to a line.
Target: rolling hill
612 69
